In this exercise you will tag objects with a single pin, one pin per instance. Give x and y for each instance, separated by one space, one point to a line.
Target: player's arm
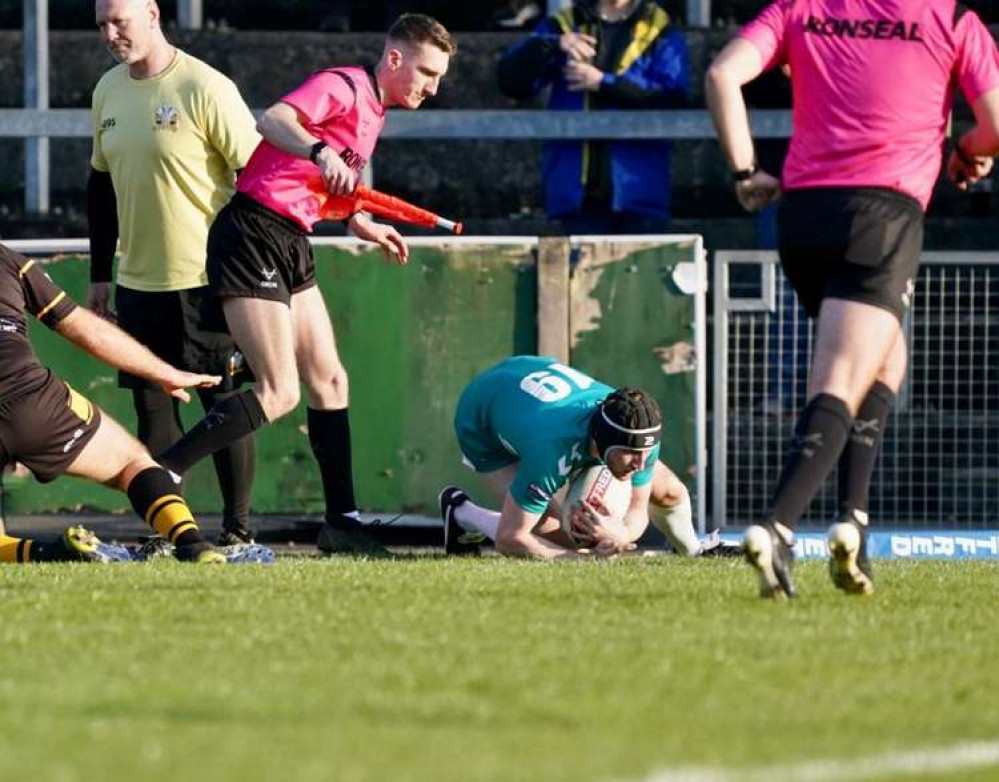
102 214
515 535
738 64
282 126
110 344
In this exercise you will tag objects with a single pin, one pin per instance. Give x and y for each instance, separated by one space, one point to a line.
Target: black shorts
46 429
859 244
255 253
184 328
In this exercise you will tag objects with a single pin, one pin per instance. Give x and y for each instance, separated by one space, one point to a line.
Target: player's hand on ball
385 236
964 170
593 524
178 381
760 190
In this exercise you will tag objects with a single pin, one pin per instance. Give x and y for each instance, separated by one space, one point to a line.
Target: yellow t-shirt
172 144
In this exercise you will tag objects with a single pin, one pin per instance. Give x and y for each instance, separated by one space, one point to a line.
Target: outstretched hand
177 383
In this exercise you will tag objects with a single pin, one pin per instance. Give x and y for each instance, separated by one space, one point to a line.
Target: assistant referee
169 134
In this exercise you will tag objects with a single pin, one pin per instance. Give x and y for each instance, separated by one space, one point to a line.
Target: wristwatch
318 147
745 173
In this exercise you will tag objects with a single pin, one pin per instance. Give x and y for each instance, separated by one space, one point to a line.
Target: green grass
432 669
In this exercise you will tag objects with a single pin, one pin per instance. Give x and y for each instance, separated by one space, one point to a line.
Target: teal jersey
533 412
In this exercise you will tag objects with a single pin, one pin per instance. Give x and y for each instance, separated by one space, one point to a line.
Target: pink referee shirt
340 107
873 85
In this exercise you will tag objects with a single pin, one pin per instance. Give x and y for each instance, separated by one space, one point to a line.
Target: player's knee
671 494
329 387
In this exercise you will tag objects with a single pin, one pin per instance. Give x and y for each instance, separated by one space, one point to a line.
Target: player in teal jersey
526 425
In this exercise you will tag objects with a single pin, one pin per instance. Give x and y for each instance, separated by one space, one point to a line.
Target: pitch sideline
960 757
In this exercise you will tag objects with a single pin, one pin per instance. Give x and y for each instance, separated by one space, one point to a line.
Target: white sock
472 518
677 524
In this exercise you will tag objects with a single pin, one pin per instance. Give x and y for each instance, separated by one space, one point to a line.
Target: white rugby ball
596 485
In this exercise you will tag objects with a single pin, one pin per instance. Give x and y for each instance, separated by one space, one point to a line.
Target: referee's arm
102 227
971 159
738 64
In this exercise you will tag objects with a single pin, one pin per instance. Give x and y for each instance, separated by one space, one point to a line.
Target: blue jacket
653 72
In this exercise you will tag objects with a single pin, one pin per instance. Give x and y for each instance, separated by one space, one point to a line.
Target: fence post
36 96
553 297
698 13
190 14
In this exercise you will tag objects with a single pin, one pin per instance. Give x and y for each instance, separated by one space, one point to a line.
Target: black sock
229 420
856 463
154 495
157 418
329 435
819 437
234 466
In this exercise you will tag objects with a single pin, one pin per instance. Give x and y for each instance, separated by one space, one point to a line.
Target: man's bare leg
263 331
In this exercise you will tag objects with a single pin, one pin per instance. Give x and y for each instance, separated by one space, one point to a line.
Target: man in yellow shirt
169 134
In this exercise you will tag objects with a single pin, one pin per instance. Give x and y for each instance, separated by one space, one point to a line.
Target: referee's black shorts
185 328
858 244
253 252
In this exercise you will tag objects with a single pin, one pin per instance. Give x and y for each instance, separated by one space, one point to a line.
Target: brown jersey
25 288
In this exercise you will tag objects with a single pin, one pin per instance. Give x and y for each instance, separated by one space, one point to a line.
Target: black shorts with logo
46 429
185 328
253 252
858 244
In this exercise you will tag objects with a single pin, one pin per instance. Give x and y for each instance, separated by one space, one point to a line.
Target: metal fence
939 464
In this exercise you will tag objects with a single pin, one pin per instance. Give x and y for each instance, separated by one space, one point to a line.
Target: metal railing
939 463
36 126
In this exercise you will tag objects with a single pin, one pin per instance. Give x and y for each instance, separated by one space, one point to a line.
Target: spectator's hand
760 190
99 300
582 77
338 178
964 170
578 47
385 236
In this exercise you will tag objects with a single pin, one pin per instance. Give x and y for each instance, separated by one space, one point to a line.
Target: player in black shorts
53 430
870 113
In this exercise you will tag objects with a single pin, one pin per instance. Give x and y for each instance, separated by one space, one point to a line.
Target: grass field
430 669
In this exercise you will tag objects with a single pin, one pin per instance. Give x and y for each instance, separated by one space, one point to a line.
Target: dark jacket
652 72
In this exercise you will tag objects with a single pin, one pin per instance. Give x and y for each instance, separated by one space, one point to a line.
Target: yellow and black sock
15 549
156 498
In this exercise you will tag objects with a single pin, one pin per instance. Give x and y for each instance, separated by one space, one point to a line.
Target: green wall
411 337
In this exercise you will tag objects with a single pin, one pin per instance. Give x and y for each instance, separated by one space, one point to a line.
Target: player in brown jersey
53 430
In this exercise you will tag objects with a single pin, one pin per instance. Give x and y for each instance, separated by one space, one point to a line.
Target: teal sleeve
644 476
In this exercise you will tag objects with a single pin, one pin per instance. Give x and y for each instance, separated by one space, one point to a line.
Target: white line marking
959 757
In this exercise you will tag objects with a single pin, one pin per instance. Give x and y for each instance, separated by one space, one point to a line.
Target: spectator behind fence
604 54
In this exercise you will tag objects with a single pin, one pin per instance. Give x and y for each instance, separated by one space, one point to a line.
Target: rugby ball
595 485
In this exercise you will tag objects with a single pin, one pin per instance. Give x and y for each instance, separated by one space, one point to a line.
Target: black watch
745 173
318 147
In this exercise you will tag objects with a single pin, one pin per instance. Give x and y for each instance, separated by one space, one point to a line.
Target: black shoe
849 567
714 546
770 554
457 541
235 536
76 544
346 535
